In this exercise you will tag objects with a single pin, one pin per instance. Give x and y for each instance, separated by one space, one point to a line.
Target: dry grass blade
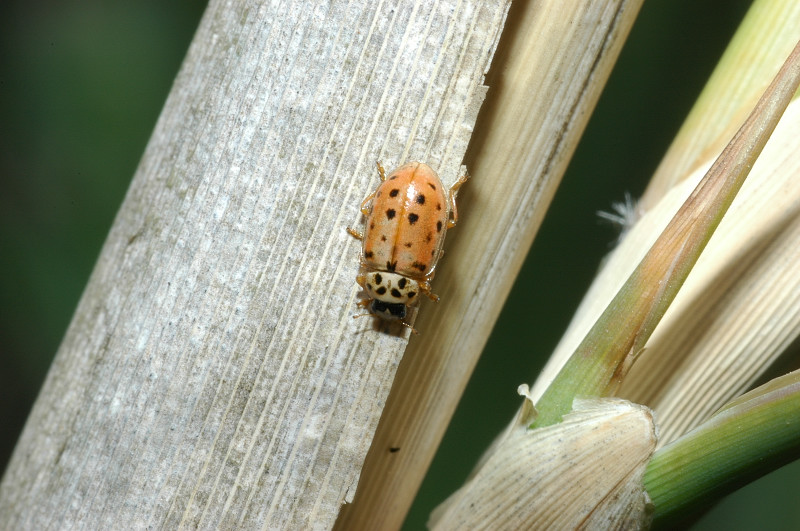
765 38
604 356
584 473
740 308
213 375
551 65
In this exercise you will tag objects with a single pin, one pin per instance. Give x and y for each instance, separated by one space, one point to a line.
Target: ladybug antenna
413 330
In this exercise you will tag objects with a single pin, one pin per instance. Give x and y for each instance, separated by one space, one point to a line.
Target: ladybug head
391 311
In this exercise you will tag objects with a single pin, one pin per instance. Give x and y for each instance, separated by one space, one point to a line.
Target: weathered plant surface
213 375
582 473
754 253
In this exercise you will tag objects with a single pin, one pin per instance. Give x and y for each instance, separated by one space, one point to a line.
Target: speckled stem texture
213 375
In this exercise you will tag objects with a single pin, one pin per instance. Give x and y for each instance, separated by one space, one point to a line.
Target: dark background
82 84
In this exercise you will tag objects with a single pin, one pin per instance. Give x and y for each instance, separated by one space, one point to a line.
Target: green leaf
744 440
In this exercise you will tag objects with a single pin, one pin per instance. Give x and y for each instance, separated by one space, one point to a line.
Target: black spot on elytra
401 283
438 206
408 245
372 225
390 266
411 294
412 218
429 237
378 278
396 293
394 192
369 287
368 254
394 449
392 178
420 266
432 186
438 226
420 199
390 213
381 290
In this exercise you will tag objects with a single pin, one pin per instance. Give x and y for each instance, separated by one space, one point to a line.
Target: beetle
408 215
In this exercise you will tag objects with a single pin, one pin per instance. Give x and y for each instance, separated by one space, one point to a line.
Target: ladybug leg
364 208
355 234
425 288
365 211
453 192
381 171
361 279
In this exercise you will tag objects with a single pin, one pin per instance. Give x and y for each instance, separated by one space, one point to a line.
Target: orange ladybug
406 223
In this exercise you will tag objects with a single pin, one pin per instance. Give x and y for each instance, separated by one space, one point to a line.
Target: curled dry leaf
585 472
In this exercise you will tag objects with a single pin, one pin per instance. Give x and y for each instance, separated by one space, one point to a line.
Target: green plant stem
605 355
740 443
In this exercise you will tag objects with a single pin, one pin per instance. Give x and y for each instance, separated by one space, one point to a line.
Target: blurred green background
82 84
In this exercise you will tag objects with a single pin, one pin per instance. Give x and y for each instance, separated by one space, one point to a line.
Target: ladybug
407 218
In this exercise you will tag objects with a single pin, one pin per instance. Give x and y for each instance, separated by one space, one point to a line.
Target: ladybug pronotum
407 218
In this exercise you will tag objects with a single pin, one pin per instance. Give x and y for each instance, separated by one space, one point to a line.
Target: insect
407 218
